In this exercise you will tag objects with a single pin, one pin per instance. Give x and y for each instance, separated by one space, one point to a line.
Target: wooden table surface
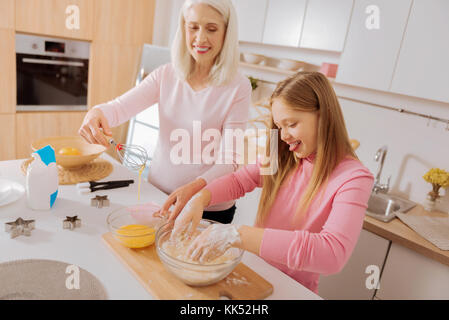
398 232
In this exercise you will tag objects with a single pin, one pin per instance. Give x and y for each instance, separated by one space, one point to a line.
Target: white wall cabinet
350 283
251 19
326 24
423 65
410 275
370 54
283 23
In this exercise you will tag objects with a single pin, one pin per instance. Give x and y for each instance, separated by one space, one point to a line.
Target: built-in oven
52 74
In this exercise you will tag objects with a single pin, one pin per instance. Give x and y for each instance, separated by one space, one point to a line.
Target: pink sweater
323 240
224 107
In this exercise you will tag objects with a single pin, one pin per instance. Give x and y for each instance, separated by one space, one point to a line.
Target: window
144 131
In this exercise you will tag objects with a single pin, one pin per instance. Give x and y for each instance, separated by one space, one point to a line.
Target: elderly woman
200 86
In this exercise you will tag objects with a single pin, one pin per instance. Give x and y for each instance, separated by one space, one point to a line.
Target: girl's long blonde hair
307 91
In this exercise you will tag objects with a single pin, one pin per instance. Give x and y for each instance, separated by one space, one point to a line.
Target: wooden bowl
88 151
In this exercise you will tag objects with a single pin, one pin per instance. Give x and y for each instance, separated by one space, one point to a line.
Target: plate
10 191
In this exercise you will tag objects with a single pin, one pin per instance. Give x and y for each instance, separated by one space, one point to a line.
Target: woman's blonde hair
226 63
307 91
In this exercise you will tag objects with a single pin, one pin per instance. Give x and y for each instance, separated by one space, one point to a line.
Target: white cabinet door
283 23
326 24
370 54
350 283
423 65
251 19
410 275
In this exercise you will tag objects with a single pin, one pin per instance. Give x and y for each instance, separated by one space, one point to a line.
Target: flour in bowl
177 248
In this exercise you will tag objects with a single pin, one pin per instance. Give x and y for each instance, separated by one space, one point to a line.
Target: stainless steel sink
383 206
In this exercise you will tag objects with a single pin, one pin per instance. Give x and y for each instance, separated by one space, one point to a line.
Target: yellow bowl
88 151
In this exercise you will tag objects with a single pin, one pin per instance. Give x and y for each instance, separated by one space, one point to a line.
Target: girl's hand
90 128
180 197
213 242
189 218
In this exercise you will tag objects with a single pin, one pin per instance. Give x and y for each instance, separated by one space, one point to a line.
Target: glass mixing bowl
132 229
195 274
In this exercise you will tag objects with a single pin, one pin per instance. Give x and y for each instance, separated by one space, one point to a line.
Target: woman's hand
213 242
90 129
180 197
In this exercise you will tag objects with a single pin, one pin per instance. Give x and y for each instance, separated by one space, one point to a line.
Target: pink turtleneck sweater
323 240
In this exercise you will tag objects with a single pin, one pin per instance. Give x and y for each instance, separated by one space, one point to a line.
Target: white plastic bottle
42 179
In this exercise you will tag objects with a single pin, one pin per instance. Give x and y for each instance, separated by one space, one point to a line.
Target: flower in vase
438 178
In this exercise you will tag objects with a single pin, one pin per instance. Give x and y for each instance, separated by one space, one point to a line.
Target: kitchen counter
399 232
84 247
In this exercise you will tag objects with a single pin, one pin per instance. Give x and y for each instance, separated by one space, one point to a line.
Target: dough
177 248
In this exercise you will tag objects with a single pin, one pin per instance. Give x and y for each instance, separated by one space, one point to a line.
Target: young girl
311 210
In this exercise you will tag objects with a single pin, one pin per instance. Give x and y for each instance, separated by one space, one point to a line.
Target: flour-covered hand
189 218
180 197
213 242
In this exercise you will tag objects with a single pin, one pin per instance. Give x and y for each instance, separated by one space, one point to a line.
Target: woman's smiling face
299 129
205 31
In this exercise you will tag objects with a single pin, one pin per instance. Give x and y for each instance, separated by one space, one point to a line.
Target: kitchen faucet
380 157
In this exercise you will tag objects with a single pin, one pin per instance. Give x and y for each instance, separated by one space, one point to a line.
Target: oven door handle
56 62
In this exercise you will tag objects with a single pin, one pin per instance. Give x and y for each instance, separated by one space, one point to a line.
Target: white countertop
84 248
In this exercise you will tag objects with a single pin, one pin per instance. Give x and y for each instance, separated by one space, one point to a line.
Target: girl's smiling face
299 129
205 31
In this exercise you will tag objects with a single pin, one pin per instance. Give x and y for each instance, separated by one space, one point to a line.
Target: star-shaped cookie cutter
71 223
19 227
99 201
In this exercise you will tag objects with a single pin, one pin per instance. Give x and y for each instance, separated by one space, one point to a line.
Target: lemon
136 235
69 152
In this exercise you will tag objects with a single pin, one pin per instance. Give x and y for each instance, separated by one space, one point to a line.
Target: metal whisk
132 156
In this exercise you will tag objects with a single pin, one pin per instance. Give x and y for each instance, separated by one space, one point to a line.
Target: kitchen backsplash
414 145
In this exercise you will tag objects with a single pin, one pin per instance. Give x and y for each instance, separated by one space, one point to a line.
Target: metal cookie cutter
71 223
19 227
99 201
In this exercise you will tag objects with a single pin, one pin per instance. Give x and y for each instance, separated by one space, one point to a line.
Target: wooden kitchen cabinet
412 276
350 283
251 19
112 70
370 55
423 66
48 17
121 29
7 134
7 14
326 24
35 125
7 71
124 21
283 23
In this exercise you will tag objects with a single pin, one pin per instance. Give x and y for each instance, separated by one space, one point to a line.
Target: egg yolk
69 152
136 235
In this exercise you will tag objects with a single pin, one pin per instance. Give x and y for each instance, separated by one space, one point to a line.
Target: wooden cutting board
242 284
